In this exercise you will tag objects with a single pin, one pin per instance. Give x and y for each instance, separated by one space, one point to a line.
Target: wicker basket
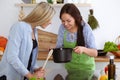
116 53
117 41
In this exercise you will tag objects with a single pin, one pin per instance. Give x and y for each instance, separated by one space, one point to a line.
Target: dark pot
101 53
62 55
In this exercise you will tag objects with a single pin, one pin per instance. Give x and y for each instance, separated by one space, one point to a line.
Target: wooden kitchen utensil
49 54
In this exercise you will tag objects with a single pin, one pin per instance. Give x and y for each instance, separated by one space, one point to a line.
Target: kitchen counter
43 55
105 59
0 57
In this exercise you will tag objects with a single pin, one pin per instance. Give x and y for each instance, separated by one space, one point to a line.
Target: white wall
8 15
108 14
106 11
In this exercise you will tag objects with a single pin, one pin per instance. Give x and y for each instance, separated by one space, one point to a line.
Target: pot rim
62 48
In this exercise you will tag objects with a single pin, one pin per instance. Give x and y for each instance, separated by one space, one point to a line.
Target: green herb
50 1
110 46
92 21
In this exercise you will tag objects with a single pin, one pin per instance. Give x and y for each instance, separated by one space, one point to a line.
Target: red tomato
106 69
3 41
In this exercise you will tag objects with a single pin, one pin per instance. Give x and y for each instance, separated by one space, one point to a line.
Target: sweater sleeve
13 48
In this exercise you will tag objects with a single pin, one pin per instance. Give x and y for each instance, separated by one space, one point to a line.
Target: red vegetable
118 46
3 41
106 70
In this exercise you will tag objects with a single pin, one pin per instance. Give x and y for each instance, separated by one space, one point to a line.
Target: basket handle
117 40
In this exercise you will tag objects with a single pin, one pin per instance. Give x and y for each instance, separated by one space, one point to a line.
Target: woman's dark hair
72 10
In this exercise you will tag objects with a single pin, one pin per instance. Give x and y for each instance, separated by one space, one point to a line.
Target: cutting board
46 40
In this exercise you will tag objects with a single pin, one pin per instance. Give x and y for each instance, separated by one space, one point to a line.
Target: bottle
33 1
111 68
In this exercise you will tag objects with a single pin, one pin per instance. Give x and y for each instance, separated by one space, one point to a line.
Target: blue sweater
16 56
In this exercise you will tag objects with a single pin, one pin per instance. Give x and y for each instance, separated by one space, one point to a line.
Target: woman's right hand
79 49
38 74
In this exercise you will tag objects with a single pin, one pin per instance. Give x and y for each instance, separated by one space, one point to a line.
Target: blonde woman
20 56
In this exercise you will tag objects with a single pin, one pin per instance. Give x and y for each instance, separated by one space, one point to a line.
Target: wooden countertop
43 55
105 59
0 57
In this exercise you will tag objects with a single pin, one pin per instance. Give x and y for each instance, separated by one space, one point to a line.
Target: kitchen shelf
43 54
22 5
54 5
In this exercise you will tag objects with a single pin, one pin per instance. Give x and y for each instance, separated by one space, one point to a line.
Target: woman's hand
79 49
40 73
88 51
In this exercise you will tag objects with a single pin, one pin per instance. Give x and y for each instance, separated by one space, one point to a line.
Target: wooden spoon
49 54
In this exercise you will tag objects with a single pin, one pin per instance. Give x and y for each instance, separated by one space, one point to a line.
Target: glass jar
33 1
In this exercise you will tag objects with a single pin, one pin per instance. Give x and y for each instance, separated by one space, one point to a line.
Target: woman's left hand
79 49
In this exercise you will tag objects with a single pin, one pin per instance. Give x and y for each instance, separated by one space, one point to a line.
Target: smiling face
68 21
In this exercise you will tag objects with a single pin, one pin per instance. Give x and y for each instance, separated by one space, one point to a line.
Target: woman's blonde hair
41 14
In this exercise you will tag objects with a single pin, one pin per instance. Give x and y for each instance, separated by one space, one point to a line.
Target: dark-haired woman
75 33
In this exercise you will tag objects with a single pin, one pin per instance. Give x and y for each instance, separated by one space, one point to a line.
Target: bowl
116 53
101 53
